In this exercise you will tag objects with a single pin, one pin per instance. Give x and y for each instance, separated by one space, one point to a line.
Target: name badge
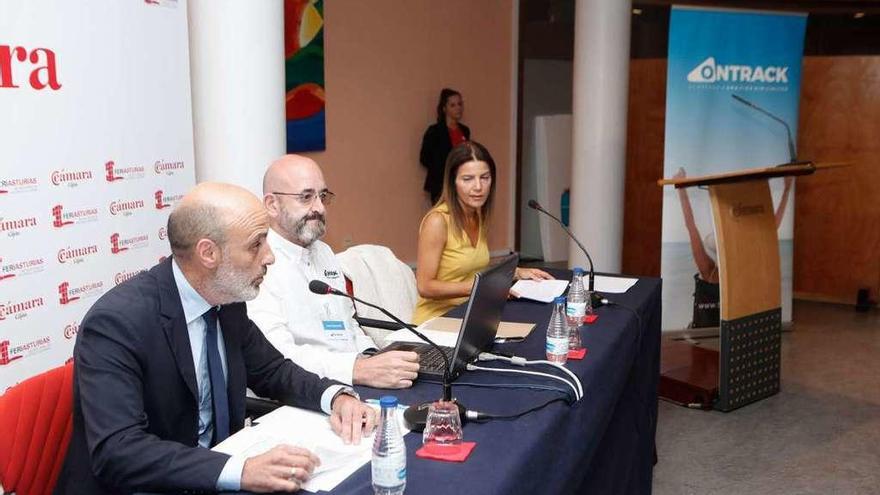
334 330
330 325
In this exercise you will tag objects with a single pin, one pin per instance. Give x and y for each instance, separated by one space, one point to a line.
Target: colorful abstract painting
304 74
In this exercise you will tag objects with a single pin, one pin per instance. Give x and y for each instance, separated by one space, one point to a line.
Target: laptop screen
483 313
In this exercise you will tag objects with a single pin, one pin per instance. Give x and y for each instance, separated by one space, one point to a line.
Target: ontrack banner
733 86
96 146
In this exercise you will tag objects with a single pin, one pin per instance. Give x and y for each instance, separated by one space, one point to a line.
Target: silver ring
293 474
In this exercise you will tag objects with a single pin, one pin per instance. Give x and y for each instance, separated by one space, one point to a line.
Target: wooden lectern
750 290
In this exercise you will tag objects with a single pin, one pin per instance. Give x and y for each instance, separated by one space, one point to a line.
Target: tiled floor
819 435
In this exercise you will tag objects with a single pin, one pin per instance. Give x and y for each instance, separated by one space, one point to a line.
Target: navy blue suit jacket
135 416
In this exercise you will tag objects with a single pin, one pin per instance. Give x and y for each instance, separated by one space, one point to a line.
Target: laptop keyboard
431 360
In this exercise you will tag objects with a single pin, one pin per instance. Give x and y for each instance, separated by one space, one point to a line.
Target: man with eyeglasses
318 332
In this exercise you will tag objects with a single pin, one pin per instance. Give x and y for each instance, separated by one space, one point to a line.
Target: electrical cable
520 361
606 302
532 386
478 416
471 367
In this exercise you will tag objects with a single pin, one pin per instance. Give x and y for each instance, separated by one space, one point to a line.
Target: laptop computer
478 327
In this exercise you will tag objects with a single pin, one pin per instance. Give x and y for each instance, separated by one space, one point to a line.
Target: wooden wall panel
643 204
837 212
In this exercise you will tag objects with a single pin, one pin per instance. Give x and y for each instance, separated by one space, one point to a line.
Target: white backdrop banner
95 147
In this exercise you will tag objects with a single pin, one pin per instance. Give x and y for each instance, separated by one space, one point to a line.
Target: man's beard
304 232
234 285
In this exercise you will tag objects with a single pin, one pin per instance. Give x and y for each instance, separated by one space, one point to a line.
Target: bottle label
389 470
557 345
576 309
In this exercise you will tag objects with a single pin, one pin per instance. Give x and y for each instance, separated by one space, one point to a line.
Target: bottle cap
578 270
559 300
388 401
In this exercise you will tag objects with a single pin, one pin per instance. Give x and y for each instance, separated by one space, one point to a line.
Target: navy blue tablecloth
603 444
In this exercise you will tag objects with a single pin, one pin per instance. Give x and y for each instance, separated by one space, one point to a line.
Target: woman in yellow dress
452 237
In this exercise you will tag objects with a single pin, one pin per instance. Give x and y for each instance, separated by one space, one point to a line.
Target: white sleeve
268 313
362 340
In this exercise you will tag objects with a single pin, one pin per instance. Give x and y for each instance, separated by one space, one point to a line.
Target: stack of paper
546 290
310 430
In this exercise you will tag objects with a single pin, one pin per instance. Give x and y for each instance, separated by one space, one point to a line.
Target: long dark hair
468 151
445 95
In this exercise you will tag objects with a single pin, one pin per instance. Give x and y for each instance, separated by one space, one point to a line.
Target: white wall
546 91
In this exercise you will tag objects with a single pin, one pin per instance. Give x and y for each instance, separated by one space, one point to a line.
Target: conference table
602 444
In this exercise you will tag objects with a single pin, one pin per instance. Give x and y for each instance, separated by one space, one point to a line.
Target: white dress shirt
317 332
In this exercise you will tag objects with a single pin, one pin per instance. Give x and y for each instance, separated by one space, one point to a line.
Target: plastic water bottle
557 333
389 452
576 308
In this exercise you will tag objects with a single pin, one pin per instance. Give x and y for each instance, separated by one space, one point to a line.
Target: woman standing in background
440 138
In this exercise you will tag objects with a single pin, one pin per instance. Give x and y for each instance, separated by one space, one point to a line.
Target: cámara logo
114 173
13 226
70 178
119 244
18 185
61 218
708 71
19 309
126 207
126 275
44 70
163 234
76 254
70 330
68 294
19 268
167 168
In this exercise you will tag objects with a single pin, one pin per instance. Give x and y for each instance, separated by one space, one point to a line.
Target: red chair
36 420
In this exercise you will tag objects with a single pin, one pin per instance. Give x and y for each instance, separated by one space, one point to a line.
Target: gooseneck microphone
536 206
792 153
415 415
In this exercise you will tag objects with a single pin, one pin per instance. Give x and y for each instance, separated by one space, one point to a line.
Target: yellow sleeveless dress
460 262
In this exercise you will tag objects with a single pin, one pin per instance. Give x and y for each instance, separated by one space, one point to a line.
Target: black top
436 146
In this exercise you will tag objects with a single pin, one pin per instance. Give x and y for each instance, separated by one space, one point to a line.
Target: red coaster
590 318
579 354
449 453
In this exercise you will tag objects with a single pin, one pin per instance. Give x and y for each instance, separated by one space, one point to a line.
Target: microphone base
416 416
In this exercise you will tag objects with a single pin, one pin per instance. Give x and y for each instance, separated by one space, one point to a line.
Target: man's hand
392 369
283 469
351 418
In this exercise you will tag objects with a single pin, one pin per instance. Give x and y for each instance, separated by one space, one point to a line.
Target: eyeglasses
308 197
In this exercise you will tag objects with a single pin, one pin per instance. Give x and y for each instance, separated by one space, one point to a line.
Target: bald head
209 211
218 237
290 173
288 185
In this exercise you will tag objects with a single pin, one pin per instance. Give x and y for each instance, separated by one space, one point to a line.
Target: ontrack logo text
709 71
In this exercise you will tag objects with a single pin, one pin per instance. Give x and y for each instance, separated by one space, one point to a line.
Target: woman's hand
532 274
